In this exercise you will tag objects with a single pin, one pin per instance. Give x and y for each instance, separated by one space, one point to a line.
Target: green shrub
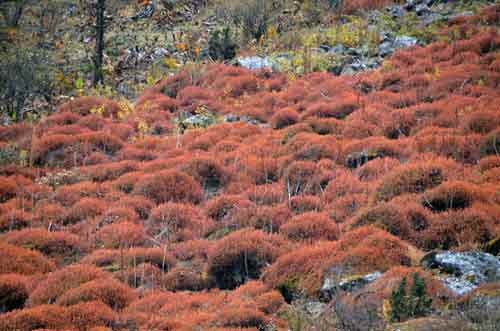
221 45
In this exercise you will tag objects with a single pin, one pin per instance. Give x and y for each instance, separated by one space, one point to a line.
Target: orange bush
387 216
23 261
186 279
139 204
61 246
310 227
63 280
114 259
84 209
490 145
8 188
449 195
332 108
305 203
46 316
299 177
206 171
121 234
467 229
284 117
241 256
84 105
68 195
86 315
224 207
410 178
176 221
169 185
111 292
14 220
13 291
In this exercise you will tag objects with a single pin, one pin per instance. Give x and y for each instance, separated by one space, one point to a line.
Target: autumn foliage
127 220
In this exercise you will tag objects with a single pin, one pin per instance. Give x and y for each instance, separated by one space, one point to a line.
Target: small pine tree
221 45
398 305
420 303
414 304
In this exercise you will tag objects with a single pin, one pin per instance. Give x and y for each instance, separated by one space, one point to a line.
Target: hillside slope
229 199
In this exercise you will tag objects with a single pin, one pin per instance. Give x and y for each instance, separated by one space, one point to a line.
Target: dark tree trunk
99 42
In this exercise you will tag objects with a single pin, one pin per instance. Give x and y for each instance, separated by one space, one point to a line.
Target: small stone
404 41
422 10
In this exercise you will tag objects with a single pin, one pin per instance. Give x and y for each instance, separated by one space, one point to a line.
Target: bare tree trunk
99 42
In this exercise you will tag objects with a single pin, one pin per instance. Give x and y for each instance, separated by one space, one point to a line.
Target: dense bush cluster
123 220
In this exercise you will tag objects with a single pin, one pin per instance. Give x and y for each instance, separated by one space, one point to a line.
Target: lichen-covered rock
464 271
349 284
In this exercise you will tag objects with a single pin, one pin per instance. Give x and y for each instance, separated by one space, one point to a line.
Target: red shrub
68 195
88 315
119 214
169 185
46 316
341 208
387 216
410 178
61 246
61 281
192 250
118 259
111 292
99 141
241 256
449 195
344 183
84 209
489 162
362 250
332 108
300 270
490 145
8 188
108 171
186 279
121 234
13 291
206 171
284 117
23 261
176 221
241 316
268 194
243 84
467 229
14 220
299 177
305 203
270 302
266 218
53 150
141 205
225 206
310 227
326 126
84 105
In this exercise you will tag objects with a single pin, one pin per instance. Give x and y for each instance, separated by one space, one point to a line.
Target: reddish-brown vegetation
120 222
169 186
310 227
23 261
241 256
